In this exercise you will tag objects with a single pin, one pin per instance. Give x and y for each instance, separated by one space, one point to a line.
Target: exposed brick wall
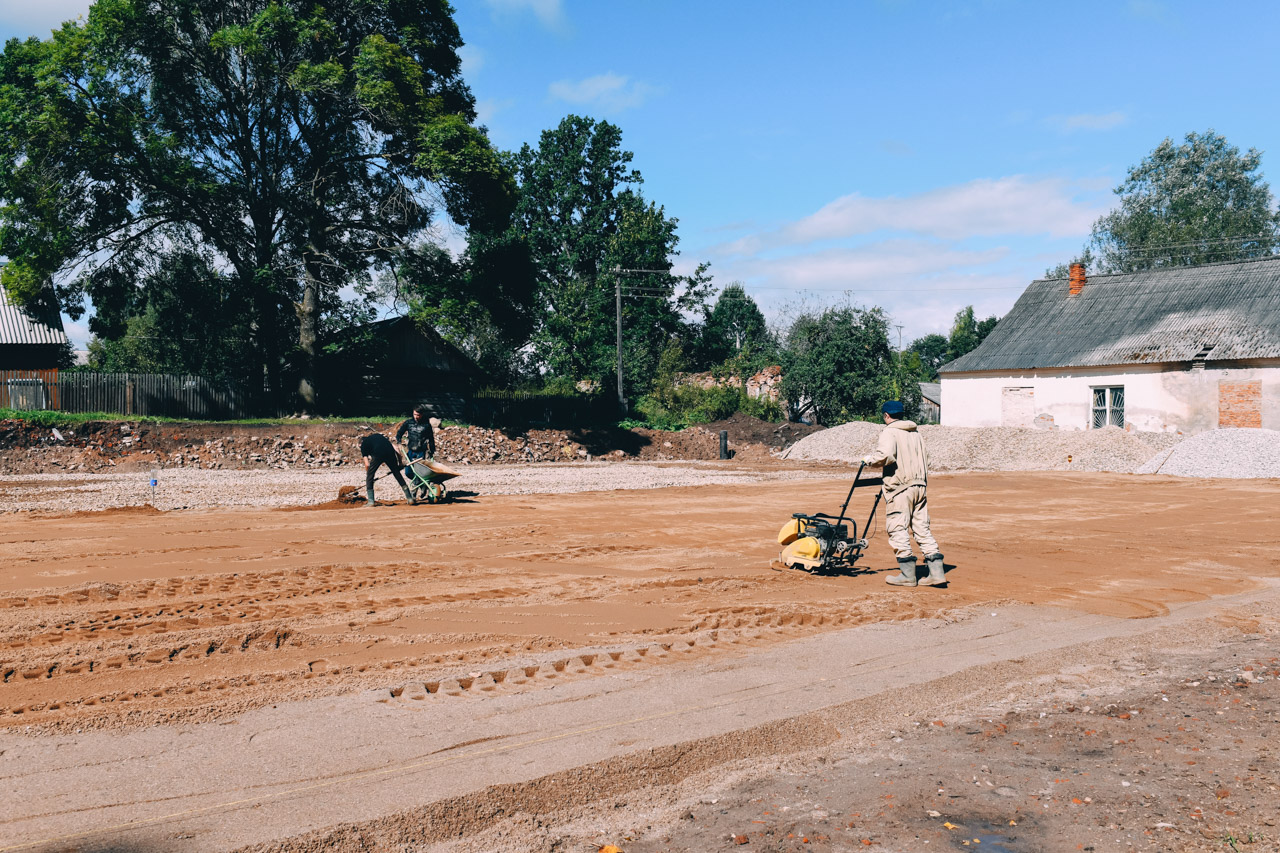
1240 403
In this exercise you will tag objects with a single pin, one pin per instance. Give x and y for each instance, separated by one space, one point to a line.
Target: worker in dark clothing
377 451
421 439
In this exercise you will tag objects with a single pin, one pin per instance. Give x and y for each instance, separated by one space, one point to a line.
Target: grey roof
1153 317
18 326
931 391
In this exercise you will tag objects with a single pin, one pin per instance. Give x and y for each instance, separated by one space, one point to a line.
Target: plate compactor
821 543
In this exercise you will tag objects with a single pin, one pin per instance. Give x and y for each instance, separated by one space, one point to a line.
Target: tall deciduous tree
838 365
583 218
1198 202
931 350
967 332
298 143
734 324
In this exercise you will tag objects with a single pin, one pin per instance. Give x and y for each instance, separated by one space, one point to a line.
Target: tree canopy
1199 202
931 352
295 144
838 365
733 325
589 230
967 332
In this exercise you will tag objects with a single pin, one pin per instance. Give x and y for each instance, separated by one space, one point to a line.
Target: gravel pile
997 448
1234 453
194 489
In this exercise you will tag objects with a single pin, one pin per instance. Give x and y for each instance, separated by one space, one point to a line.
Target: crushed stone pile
997 448
1233 453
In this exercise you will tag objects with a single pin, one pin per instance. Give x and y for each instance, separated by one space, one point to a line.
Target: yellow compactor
822 543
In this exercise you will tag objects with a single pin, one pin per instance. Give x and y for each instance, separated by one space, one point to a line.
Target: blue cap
893 407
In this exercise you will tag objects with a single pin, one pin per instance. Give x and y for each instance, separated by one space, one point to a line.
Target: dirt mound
117 446
744 429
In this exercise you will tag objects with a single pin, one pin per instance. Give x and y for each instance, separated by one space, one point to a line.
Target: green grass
59 419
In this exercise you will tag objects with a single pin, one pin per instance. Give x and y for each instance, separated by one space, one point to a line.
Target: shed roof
931 391
29 326
1215 312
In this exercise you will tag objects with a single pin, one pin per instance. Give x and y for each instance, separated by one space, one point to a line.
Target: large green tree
168 328
930 353
967 332
589 231
1198 202
838 366
297 143
734 325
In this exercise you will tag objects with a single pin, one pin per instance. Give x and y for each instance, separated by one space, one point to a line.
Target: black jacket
377 447
421 436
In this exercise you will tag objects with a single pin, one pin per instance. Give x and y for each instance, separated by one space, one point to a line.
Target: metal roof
1211 313
18 326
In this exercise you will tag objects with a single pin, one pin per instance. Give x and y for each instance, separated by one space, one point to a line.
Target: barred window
1108 407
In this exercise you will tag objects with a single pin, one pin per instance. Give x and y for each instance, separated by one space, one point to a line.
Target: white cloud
487 108
1090 121
895 265
981 208
472 59
77 331
613 92
40 17
549 12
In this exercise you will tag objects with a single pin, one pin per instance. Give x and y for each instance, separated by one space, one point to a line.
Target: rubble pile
97 447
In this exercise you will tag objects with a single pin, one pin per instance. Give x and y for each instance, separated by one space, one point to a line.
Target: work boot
369 494
937 574
408 495
907 567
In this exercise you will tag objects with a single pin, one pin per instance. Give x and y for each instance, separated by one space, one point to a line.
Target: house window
1108 407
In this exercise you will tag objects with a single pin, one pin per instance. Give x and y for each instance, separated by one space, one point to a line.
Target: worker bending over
421 439
377 451
900 452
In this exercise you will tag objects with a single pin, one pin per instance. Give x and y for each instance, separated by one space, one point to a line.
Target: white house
1182 349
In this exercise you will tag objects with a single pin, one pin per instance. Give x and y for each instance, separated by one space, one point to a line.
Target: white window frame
1106 406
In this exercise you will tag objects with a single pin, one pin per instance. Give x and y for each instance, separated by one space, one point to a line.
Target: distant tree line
233 189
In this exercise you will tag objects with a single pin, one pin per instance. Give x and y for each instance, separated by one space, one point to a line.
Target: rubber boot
907 567
408 495
369 494
937 574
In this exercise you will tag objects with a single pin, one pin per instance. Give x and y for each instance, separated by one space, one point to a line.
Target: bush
687 405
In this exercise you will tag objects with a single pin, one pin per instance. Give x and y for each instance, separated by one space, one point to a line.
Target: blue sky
920 155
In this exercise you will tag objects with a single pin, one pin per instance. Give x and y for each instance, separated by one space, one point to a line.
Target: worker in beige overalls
900 452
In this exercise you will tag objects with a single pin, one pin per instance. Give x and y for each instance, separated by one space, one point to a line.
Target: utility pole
617 303
901 378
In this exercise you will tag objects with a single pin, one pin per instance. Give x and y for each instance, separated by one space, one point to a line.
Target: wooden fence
142 394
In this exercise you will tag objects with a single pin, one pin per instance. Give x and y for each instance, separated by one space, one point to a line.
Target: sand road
131 639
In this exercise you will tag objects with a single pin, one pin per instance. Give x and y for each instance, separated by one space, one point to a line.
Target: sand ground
298 680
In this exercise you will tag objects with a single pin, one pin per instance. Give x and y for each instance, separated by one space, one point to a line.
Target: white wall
1157 399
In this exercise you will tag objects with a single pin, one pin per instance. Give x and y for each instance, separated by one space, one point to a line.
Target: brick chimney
1077 279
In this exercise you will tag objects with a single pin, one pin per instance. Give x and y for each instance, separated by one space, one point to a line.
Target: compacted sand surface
130 632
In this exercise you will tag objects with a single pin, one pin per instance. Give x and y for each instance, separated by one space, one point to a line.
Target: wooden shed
31 338
387 367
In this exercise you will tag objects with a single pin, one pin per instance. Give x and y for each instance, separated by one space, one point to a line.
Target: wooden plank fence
142 394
